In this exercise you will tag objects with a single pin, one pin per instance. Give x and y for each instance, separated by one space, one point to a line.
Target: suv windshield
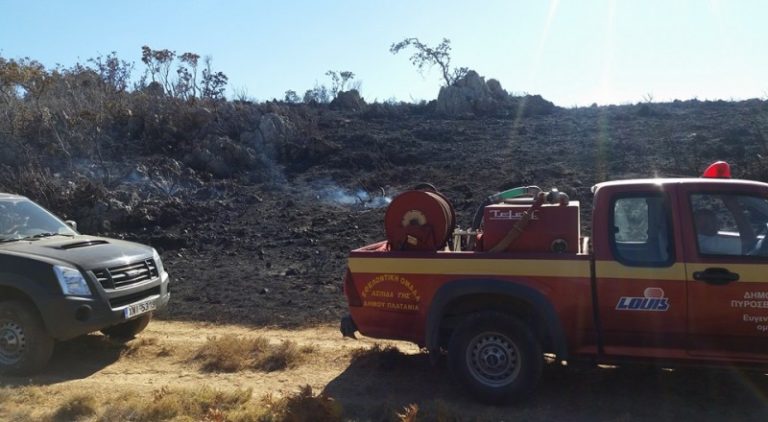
21 218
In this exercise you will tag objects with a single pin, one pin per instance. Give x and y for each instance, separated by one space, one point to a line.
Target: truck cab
674 271
680 269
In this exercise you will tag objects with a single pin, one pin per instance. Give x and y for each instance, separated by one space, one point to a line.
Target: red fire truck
675 271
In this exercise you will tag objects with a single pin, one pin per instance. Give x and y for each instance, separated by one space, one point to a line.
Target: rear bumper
67 317
348 326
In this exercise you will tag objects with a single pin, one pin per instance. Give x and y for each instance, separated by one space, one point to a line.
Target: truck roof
685 180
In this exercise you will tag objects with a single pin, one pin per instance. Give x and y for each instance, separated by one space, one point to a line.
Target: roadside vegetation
176 404
377 357
232 354
209 405
95 380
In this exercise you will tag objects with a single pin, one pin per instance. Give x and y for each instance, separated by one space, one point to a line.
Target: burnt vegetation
255 204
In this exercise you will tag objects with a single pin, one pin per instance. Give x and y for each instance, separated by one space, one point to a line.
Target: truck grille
127 275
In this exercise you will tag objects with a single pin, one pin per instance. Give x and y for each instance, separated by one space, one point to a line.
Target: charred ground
255 205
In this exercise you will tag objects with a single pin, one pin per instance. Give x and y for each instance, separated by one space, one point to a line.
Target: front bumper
348 326
67 317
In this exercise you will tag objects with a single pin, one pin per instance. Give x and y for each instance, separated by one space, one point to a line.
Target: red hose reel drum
419 220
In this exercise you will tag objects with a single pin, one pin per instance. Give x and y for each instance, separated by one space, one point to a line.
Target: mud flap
348 327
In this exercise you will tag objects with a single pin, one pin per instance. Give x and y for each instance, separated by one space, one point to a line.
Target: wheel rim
12 342
493 359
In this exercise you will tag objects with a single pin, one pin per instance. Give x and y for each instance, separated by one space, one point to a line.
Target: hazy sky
573 52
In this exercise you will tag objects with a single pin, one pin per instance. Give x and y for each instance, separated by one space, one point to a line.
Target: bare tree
339 80
429 56
159 64
187 84
214 83
291 97
114 72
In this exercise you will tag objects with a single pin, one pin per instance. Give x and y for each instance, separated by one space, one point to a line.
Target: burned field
255 207
266 243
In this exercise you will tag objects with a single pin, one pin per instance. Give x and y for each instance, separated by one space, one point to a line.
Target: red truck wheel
496 357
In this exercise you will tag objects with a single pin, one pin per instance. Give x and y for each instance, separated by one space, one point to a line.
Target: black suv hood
88 252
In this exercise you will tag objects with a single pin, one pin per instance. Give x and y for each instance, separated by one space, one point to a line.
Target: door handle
716 276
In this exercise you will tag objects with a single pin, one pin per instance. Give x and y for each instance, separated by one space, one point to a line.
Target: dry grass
24 395
286 355
146 347
76 407
305 406
15 402
437 410
232 354
200 404
7 394
228 353
177 404
442 411
409 413
378 356
309 349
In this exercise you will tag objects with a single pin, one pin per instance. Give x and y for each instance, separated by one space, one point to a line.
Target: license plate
140 308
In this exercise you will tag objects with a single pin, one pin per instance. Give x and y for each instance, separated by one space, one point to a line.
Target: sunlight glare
606 79
553 5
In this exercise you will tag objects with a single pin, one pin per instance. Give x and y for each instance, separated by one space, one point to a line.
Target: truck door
639 281
727 271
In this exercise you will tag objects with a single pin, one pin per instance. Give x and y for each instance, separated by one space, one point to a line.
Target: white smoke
359 198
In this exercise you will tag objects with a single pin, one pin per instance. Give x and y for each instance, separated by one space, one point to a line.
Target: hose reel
420 220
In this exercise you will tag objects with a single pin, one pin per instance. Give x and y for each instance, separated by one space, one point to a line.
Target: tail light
353 297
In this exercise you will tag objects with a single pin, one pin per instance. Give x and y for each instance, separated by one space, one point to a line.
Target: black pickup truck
56 284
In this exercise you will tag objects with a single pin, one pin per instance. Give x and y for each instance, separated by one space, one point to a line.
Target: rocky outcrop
473 95
348 100
224 157
464 96
497 92
274 128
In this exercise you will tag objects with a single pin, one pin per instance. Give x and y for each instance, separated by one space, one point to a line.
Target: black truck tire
128 330
496 357
25 345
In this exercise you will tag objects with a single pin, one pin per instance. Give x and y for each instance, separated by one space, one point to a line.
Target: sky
572 52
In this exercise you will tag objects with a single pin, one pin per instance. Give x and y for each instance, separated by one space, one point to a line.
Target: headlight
71 281
158 262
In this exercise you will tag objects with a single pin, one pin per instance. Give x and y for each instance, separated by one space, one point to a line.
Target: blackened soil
274 253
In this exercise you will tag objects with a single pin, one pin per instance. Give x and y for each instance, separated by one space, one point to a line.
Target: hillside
255 205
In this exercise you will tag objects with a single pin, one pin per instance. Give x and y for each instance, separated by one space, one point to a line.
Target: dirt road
374 385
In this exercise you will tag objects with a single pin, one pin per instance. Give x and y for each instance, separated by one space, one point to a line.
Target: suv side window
730 224
641 231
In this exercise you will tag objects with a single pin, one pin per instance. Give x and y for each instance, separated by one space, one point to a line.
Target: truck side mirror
72 224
